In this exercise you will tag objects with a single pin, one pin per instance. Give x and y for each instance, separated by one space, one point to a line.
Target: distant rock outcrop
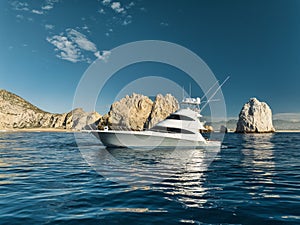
130 112
223 129
208 129
255 117
162 107
78 119
15 112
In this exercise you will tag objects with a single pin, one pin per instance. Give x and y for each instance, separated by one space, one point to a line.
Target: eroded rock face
133 112
15 112
255 117
137 112
130 112
103 122
163 106
79 119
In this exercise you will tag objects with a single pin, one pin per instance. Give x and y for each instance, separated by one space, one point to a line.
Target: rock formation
134 112
223 129
130 112
255 117
137 112
104 122
208 129
78 119
162 107
15 112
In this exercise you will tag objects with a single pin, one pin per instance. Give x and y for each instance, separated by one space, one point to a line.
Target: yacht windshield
179 117
171 130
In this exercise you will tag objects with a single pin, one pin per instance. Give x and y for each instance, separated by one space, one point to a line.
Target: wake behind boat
180 129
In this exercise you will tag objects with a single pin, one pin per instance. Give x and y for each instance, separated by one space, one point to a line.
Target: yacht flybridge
180 129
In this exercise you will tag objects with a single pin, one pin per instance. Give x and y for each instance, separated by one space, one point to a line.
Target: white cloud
85 28
24 6
116 6
19 16
164 24
101 11
110 30
49 4
49 27
122 12
106 2
81 40
52 1
131 4
72 45
103 55
47 7
97 54
66 49
127 20
39 12
20 6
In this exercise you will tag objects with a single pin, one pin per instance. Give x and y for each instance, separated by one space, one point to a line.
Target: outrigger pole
214 92
209 90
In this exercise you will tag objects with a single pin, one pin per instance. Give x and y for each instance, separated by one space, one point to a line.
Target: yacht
180 129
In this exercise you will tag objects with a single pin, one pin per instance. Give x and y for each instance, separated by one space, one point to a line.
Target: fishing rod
214 93
209 90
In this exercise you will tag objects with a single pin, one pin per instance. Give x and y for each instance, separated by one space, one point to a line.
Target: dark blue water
46 179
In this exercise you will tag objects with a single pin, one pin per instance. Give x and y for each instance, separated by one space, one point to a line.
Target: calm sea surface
45 178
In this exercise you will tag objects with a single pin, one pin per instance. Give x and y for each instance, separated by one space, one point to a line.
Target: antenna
182 92
215 93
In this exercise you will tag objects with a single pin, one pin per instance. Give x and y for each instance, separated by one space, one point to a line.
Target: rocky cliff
137 112
78 119
255 117
162 107
130 112
15 112
134 112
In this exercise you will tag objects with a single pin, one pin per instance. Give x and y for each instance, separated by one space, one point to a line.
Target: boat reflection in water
173 171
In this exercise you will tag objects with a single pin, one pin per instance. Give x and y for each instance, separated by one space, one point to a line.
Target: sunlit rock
255 117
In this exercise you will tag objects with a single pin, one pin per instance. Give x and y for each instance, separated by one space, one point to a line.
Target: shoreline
287 131
277 131
60 130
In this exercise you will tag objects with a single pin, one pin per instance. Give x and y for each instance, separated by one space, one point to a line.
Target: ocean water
53 178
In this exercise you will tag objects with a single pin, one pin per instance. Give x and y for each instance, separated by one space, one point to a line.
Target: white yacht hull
149 139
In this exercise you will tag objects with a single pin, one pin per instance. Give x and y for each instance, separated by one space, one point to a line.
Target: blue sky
47 45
